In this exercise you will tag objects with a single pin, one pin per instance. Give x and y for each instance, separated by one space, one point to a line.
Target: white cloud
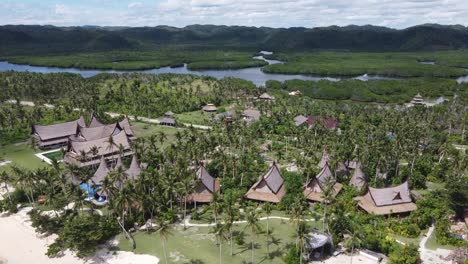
273 13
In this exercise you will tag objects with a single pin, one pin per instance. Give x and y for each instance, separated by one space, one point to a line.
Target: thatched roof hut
210 108
314 188
205 187
269 188
385 201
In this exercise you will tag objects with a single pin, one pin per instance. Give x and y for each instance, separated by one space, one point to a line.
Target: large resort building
269 188
56 136
386 201
86 145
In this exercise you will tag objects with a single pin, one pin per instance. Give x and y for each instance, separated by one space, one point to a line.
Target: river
255 74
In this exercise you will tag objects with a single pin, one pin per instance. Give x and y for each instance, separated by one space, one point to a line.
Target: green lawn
21 154
198 243
143 130
57 155
196 117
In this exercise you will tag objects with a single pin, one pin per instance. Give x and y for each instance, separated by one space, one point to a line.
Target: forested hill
15 40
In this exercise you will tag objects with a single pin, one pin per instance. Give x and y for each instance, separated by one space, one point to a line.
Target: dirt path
431 256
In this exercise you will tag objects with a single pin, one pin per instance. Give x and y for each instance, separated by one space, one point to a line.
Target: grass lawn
409 240
145 130
431 186
198 243
57 155
196 117
21 154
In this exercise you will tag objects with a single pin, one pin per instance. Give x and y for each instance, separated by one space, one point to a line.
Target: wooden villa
269 188
55 136
134 170
104 149
314 188
386 201
205 187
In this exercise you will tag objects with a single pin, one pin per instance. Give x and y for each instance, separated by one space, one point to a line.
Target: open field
196 117
145 130
398 64
185 246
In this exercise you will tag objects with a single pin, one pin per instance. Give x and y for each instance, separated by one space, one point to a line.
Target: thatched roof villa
269 188
386 201
103 170
359 179
205 187
310 121
314 188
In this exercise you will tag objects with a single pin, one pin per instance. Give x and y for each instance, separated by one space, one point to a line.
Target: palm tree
5 178
267 208
354 239
215 205
164 230
231 213
301 235
254 226
220 232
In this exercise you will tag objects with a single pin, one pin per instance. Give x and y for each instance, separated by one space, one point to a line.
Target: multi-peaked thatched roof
205 187
266 96
93 133
386 201
103 170
314 188
102 144
95 122
269 188
58 131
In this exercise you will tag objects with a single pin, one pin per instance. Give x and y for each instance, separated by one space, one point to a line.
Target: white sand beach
20 244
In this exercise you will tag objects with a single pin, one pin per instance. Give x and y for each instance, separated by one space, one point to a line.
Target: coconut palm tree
220 232
165 230
231 213
301 235
252 223
267 208
216 205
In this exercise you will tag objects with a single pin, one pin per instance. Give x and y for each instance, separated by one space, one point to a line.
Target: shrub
408 254
293 256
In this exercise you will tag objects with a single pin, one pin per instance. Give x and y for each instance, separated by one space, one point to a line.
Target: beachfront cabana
104 149
386 201
269 188
205 187
54 136
314 188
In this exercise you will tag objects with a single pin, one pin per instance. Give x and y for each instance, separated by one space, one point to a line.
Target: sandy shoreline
19 244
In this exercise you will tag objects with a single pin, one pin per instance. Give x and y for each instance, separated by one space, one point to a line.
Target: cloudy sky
272 13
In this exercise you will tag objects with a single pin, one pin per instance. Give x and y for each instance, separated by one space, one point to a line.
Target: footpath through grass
199 243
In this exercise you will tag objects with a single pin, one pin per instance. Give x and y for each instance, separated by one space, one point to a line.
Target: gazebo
210 108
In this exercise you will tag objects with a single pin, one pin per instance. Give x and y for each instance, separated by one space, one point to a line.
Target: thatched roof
359 179
51 132
269 188
252 114
299 120
102 144
101 173
387 200
125 125
169 114
266 96
93 133
206 179
167 121
118 163
314 188
210 108
134 170
95 122
324 161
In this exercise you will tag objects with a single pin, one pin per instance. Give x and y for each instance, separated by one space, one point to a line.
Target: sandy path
432 256
19 243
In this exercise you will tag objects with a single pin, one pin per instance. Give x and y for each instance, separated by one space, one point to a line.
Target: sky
270 13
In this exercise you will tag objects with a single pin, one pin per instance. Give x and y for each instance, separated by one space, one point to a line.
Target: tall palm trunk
252 247
164 249
230 237
268 237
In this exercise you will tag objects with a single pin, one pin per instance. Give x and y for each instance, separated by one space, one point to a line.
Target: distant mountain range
19 39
